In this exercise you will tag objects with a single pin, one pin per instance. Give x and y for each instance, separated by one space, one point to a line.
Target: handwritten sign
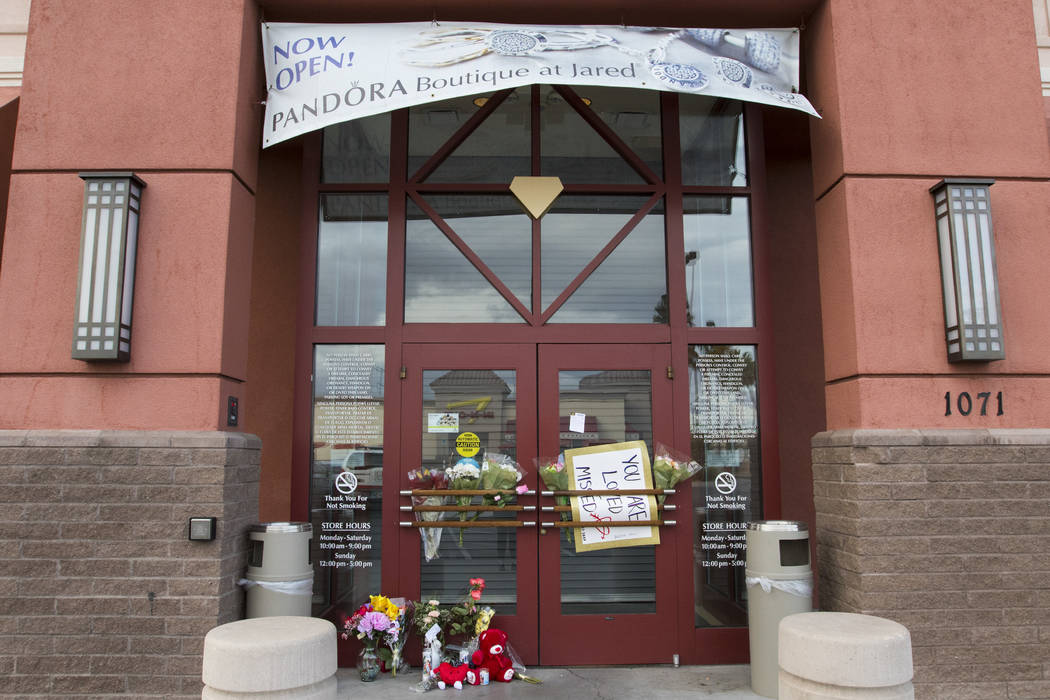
617 467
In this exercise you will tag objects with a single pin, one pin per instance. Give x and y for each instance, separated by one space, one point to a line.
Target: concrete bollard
844 656
271 657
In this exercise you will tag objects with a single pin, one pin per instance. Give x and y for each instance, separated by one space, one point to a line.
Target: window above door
463 250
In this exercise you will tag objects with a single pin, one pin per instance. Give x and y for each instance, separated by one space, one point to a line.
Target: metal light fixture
972 316
109 238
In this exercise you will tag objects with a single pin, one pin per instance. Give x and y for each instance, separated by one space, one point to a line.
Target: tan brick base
100 590
948 533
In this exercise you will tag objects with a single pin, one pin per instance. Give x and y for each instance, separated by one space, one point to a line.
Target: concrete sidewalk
577 683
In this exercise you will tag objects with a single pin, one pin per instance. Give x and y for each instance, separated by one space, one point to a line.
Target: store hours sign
724 432
323 74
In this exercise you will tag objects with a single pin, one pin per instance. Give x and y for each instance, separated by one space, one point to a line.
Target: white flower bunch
464 470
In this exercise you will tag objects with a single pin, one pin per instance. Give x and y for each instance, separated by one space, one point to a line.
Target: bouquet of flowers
671 468
428 479
427 614
379 623
502 473
463 616
556 478
466 474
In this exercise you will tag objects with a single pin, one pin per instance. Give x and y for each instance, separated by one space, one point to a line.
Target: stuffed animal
491 655
451 675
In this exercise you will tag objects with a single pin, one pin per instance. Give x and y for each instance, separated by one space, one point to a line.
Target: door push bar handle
469 509
566 509
467 492
611 492
606 523
458 524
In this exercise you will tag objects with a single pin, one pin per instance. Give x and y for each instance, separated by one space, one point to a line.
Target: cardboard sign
620 466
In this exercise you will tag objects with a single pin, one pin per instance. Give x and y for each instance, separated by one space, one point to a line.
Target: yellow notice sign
617 467
467 444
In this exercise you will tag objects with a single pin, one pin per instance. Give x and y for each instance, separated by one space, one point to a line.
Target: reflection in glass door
607 604
617 407
472 402
460 405
559 606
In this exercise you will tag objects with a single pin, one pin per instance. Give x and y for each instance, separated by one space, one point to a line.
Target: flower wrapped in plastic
556 478
426 614
465 475
671 468
500 472
428 479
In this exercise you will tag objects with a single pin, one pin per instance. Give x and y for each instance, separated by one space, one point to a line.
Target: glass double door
528 403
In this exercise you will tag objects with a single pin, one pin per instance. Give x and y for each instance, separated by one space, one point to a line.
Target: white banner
323 74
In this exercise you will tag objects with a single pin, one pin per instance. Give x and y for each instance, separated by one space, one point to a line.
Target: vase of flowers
368 664
379 625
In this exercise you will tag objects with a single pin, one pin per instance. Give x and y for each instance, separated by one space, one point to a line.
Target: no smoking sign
345 483
725 483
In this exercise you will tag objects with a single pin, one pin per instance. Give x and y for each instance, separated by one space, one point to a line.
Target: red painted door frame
541 633
417 358
608 638
695 645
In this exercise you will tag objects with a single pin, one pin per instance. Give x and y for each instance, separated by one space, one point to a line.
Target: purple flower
373 622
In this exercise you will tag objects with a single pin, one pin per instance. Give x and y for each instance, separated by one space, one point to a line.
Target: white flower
465 470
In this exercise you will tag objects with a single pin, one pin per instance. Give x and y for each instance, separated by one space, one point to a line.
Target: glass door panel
346 475
612 604
617 406
471 402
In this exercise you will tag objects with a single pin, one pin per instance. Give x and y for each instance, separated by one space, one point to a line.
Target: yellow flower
484 620
379 602
392 611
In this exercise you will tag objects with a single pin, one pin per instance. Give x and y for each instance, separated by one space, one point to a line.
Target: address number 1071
965 404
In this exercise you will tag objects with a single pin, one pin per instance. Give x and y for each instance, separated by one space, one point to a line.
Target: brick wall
948 533
100 590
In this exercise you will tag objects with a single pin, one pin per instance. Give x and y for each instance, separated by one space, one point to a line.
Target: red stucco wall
170 91
271 350
930 90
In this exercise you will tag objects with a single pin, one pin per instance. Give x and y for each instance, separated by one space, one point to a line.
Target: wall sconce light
972 317
108 240
202 529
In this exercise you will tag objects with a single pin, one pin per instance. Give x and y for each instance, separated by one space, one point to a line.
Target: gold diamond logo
536 194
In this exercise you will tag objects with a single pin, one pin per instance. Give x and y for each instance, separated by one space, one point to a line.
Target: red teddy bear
451 675
491 654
